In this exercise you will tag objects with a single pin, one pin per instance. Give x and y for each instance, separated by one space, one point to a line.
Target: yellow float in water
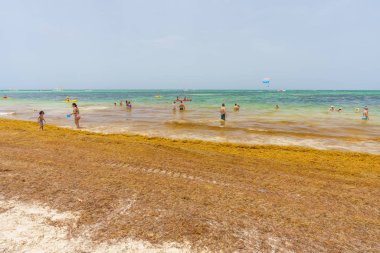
157 96
70 101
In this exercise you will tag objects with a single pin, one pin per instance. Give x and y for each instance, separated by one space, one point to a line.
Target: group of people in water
181 106
128 104
365 113
223 111
41 117
332 109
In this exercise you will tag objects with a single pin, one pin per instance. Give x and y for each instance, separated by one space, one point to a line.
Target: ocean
302 120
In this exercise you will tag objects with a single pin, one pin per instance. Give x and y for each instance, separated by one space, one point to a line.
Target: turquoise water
210 98
303 118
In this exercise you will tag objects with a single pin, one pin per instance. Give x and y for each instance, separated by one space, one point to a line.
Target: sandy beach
65 191
189 126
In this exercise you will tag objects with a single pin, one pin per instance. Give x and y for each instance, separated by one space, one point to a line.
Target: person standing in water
365 113
181 106
174 106
76 114
236 107
277 107
223 112
41 120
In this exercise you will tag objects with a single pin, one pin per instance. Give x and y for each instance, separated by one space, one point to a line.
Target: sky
189 44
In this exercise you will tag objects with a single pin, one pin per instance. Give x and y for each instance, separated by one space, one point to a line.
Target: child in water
365 113
41 120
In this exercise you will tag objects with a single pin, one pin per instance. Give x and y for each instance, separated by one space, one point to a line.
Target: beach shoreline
196 195
268 137
304 118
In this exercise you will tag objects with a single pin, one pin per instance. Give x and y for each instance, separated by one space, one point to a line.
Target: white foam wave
94 108
7 113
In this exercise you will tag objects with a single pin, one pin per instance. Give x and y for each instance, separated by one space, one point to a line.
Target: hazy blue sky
313 44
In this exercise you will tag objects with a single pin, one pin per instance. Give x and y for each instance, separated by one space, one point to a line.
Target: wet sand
94 191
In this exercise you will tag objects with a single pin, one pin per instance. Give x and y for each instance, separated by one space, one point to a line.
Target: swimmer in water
181 106
223 112
236 107
114 104
174 106
365 113
331 109
277 107
357 110
121 103
340 109
41 120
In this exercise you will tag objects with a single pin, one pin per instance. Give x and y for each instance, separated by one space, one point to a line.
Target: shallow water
303 118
